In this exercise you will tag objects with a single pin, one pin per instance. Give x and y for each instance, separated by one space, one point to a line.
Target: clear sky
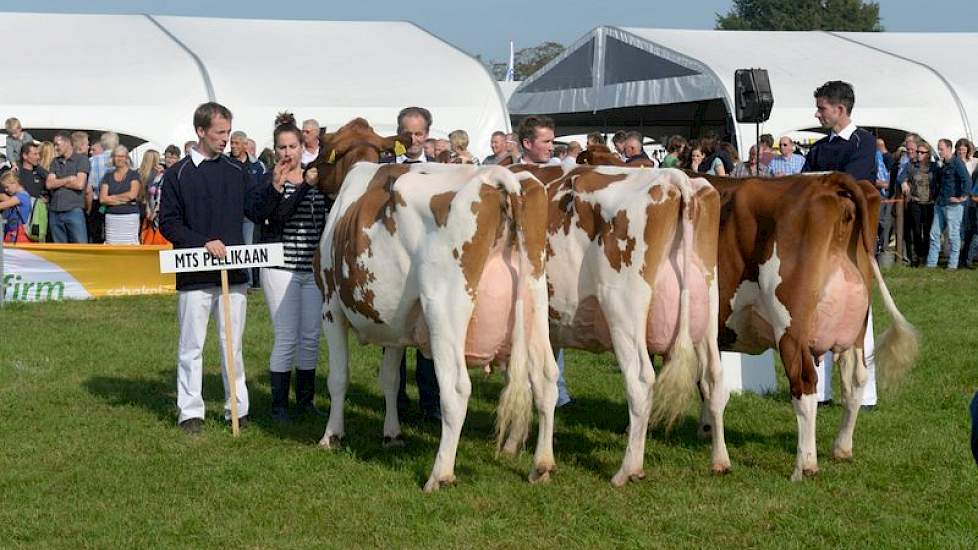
485 27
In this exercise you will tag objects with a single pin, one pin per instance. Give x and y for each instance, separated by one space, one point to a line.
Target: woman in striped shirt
294 214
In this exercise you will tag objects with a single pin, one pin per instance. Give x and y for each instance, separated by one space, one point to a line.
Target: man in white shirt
416 122
536 134
310 140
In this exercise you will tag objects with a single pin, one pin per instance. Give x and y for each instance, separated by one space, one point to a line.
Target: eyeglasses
923 152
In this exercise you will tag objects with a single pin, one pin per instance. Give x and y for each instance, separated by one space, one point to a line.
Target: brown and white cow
632 268
796 275
448 259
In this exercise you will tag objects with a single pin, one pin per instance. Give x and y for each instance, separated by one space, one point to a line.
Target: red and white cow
448 259
796 275
632 268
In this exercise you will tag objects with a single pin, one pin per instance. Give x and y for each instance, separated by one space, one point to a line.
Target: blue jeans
68 226
947 217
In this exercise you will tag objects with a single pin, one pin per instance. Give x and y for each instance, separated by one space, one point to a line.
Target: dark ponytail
285 123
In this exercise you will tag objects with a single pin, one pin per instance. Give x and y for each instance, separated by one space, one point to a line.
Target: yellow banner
38 272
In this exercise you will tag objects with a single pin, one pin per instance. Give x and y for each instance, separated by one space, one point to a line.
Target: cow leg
389 379
715 396
626 313
448 330
800 368
335 326
852 364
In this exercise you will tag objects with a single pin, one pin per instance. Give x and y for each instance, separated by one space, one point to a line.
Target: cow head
599 155
355 142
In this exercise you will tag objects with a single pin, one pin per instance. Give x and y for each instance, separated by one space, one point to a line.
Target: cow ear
397 144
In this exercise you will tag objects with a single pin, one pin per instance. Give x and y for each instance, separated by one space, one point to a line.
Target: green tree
801 15
526 60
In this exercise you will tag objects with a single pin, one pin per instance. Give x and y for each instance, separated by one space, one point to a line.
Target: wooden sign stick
230 365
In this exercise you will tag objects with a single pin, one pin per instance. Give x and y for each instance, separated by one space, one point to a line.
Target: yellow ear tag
332 157
399 149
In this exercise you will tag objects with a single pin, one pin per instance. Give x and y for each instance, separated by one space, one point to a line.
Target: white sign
183 260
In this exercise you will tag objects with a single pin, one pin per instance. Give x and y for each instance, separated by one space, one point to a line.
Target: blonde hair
459 140
9 175
11 123
47 155
150 159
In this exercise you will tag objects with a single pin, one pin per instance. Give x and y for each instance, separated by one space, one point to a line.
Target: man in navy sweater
847 148
203 205
852 150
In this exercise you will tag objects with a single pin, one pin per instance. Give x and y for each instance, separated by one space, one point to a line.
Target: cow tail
897 349
516 401
676 383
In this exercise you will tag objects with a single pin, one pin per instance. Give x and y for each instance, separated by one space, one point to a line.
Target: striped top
301 233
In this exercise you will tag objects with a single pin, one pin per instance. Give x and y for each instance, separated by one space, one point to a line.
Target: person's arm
861 164
103 195
719 167
7 201
809 165
261 199
285 208
961 180
53 182
77 182
173 222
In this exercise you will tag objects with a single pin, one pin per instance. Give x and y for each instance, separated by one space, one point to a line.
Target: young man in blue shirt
953 186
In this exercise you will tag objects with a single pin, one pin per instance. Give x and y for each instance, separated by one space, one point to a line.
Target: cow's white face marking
760 298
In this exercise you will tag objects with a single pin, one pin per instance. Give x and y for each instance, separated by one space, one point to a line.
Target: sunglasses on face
923 152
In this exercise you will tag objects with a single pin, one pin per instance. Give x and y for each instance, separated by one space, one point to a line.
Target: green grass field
90 455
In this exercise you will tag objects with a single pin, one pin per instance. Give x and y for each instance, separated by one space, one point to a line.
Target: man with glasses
788 163
916 180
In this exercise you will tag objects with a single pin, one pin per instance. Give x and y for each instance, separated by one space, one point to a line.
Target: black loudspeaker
754 100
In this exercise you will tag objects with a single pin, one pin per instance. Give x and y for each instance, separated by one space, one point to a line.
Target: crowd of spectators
95 194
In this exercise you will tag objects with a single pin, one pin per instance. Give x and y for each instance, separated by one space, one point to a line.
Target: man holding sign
203 205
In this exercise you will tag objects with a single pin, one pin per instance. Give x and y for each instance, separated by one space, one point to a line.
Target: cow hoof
394 442
621 479
434 484
721 469
799 475
842 454
331 442
540 475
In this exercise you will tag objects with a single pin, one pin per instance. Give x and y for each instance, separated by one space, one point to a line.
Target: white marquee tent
666 81
142 75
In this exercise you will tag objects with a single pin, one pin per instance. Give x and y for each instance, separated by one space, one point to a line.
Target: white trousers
295 305
824 369
194 308
122 228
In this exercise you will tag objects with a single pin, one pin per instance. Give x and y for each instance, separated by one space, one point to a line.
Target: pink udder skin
840 315
663 324
490 329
